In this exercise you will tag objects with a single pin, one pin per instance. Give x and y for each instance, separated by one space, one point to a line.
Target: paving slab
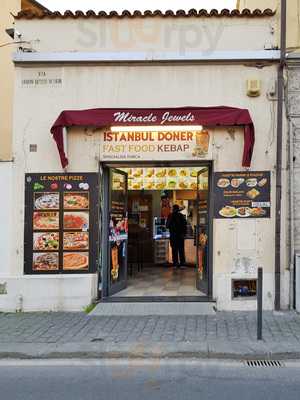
223 335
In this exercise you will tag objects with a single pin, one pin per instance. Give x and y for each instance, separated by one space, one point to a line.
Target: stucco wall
6 178
6 166
260 4
145 85
150 35
293 17
7 75
154 86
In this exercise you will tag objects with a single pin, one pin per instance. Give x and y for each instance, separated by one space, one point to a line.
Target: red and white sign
162 117
155 145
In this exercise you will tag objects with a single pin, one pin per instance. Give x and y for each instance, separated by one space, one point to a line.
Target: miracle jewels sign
153 145
151 118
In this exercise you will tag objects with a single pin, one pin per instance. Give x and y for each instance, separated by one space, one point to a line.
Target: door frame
106 260
198 228
105 212
105 233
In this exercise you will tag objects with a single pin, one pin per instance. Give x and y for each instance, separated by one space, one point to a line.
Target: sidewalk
77 335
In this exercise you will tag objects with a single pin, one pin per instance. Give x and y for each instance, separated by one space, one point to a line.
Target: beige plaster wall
7 76
150 35
293 17
154 86
161 85
260 4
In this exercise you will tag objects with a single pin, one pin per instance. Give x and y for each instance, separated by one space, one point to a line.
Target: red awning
206 116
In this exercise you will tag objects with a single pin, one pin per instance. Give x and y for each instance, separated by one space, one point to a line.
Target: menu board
61 226
163 178
242 194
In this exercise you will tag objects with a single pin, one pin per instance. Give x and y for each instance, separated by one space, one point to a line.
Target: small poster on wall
242 194
61 223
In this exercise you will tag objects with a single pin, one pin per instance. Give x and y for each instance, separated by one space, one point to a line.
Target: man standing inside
177 226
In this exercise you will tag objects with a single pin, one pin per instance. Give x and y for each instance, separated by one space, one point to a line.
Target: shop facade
142 117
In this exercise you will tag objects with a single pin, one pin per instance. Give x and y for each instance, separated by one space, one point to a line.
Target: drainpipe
279 153
292 223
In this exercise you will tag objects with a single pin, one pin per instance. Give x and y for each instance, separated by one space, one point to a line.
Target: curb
145 351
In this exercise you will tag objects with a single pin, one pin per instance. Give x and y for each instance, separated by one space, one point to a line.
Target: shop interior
152 191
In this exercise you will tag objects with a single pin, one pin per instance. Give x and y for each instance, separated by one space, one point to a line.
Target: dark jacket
177 225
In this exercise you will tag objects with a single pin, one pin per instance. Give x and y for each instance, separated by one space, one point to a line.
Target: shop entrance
138 247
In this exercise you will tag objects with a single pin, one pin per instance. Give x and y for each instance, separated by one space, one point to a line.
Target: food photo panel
76 201
76 221
76 241
45 262
46 201
245 194
45 220
46 241
75 261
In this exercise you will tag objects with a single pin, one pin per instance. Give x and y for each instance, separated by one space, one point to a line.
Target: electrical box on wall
253 87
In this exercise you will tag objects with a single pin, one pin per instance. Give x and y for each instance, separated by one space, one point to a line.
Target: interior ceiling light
158 128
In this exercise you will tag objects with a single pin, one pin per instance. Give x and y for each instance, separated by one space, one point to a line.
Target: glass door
117 231
202 230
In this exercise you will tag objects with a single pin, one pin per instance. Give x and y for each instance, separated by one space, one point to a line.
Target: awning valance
107 117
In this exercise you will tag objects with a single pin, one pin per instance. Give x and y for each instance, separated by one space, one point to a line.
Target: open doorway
139 259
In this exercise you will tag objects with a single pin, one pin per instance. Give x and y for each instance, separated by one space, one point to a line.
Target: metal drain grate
264 363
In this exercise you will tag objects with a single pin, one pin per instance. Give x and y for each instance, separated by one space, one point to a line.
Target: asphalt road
137 380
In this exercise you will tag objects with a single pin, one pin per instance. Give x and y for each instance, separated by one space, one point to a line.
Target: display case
161 250
161 240
160 230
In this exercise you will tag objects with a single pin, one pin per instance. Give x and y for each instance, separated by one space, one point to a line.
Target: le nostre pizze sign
153 144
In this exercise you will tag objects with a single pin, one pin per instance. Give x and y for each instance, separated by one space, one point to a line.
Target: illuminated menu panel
165 178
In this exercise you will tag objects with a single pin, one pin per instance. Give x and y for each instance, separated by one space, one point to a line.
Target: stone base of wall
47 293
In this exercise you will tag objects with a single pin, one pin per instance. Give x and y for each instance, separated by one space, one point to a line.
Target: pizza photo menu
61 223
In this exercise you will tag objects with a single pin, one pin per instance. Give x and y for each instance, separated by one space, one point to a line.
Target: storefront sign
151 118
130 147
188 145
61 223
242 194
